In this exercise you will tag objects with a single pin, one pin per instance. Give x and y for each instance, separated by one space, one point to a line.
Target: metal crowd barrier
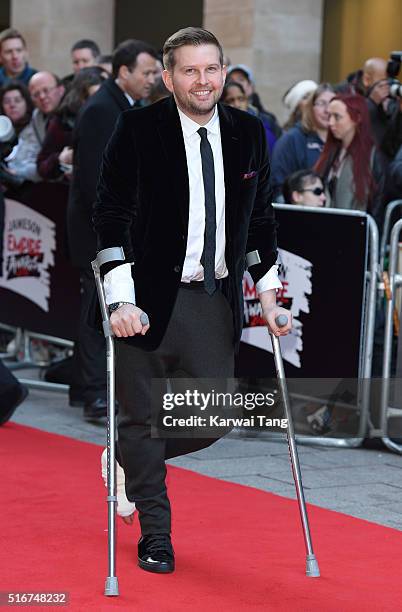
9 329
24 358
395 281
384 247
366 337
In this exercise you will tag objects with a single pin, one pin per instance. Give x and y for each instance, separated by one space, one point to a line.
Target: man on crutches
184 190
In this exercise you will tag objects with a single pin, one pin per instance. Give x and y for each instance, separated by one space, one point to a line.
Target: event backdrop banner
29 244
39 290
323 263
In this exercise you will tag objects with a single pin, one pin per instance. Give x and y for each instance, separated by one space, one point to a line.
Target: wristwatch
115 305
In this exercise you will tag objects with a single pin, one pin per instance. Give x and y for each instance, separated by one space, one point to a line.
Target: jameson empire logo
24 248
27 252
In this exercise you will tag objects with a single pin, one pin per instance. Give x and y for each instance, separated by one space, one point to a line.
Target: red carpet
237 548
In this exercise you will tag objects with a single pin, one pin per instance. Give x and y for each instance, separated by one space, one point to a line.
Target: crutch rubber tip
111 586
281 321
312 569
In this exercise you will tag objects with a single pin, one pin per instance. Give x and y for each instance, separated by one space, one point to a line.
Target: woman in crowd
295 100
15 102
55 157
300 147
350 163
235 95
304 188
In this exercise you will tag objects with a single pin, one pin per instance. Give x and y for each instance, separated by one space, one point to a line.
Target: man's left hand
270 313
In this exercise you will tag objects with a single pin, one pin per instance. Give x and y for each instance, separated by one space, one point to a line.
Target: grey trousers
198 344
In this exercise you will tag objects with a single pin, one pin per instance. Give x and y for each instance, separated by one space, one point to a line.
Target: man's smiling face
196 80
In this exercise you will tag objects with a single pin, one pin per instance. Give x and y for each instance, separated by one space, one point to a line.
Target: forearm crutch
312 568
106 256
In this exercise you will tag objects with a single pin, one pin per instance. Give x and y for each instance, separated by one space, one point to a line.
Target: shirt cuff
270 280
119 285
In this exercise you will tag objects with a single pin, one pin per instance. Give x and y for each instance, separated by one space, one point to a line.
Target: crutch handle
144 318
281 320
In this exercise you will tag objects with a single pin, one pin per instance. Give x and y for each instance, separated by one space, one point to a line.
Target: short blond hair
188 36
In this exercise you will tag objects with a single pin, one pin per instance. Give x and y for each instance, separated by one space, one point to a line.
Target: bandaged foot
125 508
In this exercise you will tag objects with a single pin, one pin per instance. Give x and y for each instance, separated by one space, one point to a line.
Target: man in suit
184 190
134 67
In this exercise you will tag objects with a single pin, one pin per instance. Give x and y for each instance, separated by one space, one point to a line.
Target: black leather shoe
155 553
10 403
95 410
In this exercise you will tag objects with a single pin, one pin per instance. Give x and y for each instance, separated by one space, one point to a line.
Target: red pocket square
249 175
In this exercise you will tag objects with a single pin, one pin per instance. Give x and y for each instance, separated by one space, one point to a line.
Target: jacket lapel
171 136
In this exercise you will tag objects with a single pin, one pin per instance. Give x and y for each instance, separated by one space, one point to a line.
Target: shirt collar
131 101
190 127
129 98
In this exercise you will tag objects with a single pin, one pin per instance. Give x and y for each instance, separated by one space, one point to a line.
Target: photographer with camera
383 92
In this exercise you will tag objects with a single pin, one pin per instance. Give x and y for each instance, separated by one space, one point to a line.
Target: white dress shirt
118 283
193 270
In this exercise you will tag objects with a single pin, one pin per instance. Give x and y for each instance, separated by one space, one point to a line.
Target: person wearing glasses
300 147
304 188
46 92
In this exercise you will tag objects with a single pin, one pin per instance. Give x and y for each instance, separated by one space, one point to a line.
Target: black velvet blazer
143 205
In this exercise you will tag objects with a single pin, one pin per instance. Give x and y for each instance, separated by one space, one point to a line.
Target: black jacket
143 205
93 129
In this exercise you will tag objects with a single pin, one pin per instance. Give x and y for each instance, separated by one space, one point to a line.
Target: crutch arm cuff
107 256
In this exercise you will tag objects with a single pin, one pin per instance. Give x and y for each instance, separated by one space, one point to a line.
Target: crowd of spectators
350 132
340 145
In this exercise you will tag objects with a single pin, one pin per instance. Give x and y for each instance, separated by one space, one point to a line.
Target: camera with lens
393 68
8 142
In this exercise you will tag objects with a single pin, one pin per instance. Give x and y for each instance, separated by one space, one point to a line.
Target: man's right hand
125 321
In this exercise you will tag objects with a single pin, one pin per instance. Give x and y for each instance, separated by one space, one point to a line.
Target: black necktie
208 174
